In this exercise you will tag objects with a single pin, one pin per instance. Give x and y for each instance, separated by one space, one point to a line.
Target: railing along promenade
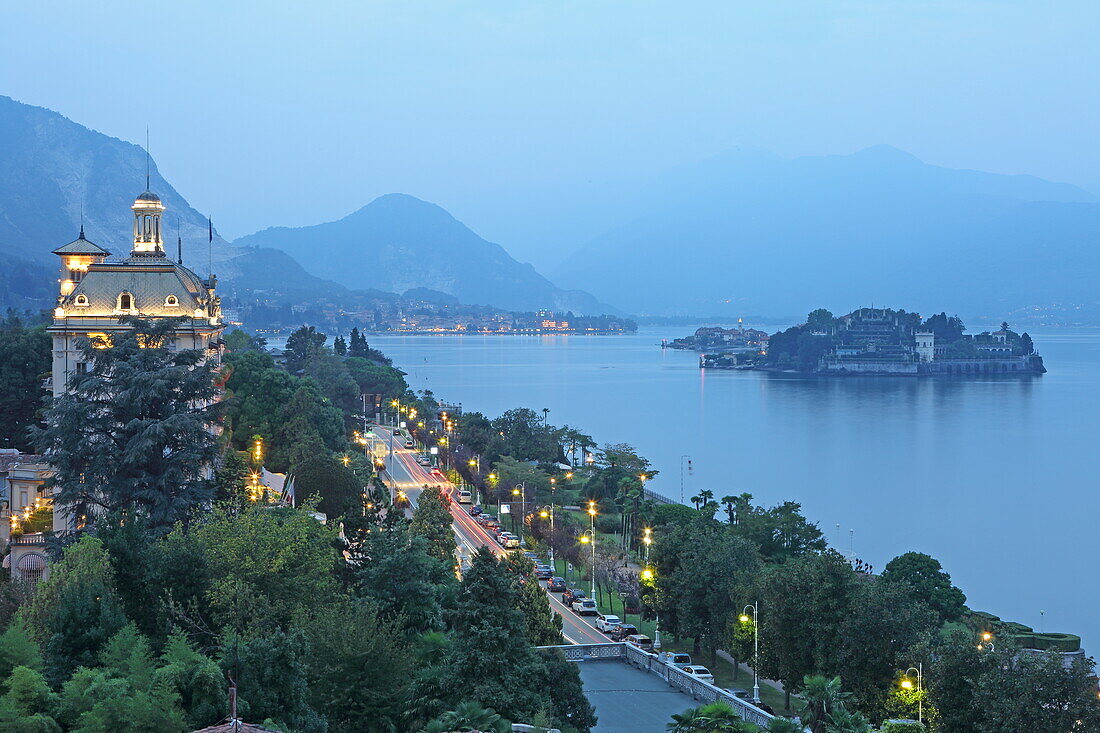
671 674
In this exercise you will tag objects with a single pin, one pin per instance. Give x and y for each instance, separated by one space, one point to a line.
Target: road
407 475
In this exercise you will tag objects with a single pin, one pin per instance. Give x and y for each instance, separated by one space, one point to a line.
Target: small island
870 341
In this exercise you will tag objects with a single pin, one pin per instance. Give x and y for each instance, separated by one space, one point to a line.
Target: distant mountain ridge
752 232
57 175
399 242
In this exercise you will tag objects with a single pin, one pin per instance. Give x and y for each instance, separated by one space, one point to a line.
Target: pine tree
432 521
490 652
133 434
340 346
358 346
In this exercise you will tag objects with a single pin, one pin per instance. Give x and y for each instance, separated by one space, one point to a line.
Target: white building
94 295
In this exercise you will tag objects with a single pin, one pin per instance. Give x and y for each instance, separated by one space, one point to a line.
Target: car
571 594
607 623
409 443
474 510
542 572
424 460
486 519
437 473
555 585
531 556
676 659
584 607
623 631
507 540
465 496
397 431
698 671
641 641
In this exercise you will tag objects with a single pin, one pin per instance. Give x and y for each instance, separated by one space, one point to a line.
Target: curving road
405 474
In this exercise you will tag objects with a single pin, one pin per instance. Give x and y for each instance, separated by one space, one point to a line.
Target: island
869 341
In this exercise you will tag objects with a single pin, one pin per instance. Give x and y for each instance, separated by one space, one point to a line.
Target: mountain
751 232
398 242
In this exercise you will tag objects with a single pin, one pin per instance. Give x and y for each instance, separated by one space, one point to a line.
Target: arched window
125 301
82 299
31 567
171 300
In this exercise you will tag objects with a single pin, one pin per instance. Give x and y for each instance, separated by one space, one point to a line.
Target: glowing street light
589 538
346 461
907 684
755 607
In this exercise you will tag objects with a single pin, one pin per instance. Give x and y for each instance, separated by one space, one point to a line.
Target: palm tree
697 500
716 717
823 697
468 716
783 725
842 721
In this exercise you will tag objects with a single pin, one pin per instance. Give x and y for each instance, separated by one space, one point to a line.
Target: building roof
80 246
149 280
148 196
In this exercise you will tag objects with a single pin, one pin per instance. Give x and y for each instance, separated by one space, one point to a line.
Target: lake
994 477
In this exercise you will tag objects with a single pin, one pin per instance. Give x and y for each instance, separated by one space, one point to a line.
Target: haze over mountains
52 167
744 233
749 232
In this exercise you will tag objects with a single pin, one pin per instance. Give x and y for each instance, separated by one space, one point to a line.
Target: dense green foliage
133 432
24 366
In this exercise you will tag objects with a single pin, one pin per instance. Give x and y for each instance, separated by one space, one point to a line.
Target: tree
375 379
820 320
340 346
490 652
715 717
824 698
928 582
526 436
562 680
196 679
393 568
358 347
1031 692
468 716
271 672
24 364
134 433
301 346
256 390
17 648
124 695
306 425
266 565
700 569
75 610
432 520
358 667
336 383
543 625
947 330
339 490
1026 345
956 664
28 703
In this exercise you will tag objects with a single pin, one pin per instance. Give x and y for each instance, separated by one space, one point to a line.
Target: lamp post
647 539
589 538
553 486
986 642
907 684
521 492
592 529
755 606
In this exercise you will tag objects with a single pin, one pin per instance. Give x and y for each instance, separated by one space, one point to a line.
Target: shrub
903 726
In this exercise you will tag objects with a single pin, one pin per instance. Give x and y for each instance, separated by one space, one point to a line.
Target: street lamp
589 538
520 491
755 607
647 538
986 642
907 684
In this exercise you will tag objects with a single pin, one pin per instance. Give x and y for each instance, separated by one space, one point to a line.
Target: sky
529 120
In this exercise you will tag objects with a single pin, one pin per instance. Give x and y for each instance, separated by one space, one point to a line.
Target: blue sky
524 118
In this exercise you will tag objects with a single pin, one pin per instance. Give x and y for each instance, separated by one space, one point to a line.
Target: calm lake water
994 477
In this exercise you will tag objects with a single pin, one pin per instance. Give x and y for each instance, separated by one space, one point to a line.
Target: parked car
571 594
555 584
641 641
678 659
474 510
543 572
465 496
409 443
424 460
699 671
584 607
607 623
397 431
531 556
486 519
623 631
